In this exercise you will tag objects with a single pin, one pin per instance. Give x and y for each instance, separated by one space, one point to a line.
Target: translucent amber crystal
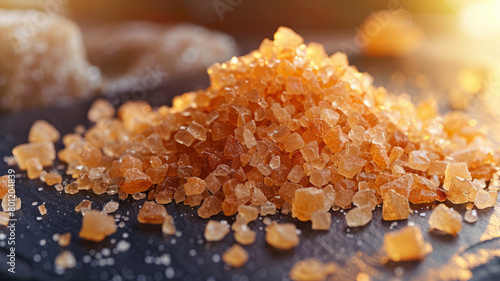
4 185
44 151
307 201
321 220
34 168
64 239
194 185
401 185
42 210
211 206
485 199
101 109
168 226
53 179
65 260
454 170
216 230
366 197
152 213
249 212
395 207
282 236
236 256
461 191
418 160
135 181
43 131
96 226
359 216
311 270
349 165
245 235
406 244
446 220
111 207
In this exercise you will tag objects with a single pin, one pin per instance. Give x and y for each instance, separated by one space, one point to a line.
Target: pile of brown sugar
287 129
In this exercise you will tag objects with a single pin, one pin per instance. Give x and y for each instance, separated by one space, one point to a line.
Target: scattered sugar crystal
7 206
282 236
216 230
311 269
307 201
4 218
152 213
395 207
359 216
42 210
470 216
96 226
64 239
111 207
65 260
249 212
406 244
222 170
168 226
485 199
293 142
401 185
236 256
321 220
85 204
454 170
53 179
101 109
245 236
446 220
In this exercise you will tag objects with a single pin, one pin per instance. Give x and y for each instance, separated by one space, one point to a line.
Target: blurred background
445 49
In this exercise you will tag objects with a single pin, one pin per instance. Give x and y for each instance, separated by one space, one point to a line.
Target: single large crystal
446 220
406 244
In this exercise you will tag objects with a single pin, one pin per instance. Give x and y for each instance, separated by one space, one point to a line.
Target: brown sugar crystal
311 270
236 256
44 151
152 213
216 230
395 206
42 210
135 181
307 201
454 170
286 127
406 244
359 216
111 207
446 220
168 226
65 260
282 236
42 131
485 199
64 239
96 226
53 179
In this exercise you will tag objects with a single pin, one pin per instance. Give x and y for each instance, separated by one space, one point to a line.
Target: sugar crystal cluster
285 128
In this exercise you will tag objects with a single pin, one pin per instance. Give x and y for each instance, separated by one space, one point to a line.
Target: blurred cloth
140 56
